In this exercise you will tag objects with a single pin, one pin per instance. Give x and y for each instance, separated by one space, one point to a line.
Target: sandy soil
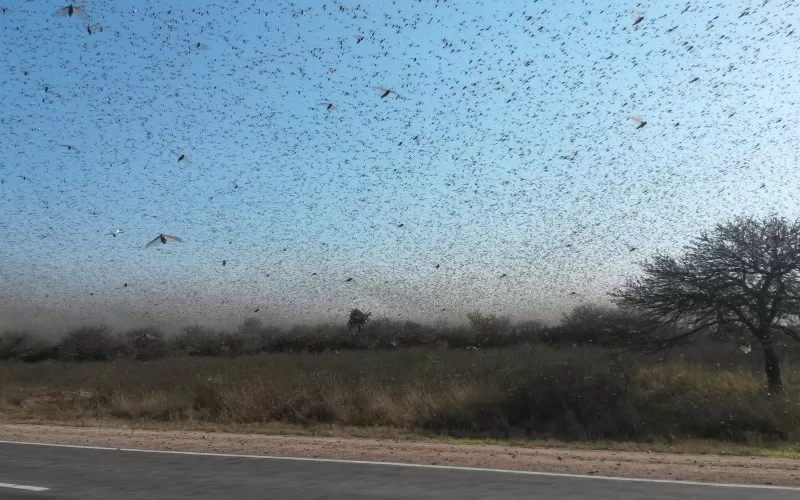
605 463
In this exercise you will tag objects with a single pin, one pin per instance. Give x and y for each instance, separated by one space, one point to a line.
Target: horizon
46 328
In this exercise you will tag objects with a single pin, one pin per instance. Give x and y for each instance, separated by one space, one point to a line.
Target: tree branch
788 331
659 344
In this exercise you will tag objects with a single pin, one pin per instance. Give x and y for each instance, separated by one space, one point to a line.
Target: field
576 394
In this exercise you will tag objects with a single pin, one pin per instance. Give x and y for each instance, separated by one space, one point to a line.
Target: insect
200 46
70 10
70 147
115 232
49 89
639 122
570 158
637 18
181 156
328 105
93 28
163 238
385 91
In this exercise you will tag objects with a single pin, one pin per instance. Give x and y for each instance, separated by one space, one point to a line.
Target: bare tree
745 273
357 320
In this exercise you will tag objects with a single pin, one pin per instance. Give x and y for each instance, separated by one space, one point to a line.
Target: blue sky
467 158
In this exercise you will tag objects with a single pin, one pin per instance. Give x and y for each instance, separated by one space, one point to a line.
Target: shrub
357 320
199 341
255 337
597 325
88 343
146 344
22 346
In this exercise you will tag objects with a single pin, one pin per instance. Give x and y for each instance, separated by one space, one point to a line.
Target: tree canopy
357 320
745 273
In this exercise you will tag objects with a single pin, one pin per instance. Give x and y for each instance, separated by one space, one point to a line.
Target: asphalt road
95 474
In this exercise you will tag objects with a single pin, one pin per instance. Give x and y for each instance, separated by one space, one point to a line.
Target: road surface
36 472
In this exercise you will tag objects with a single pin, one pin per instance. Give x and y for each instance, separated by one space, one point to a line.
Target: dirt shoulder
757 470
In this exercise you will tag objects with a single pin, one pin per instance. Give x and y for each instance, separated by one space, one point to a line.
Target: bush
456 337
316 338
199 341
357 320
529 332
146 344
586 325
88 343
255 337
22 346
597 325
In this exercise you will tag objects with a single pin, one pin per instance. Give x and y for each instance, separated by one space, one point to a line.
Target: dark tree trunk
772 366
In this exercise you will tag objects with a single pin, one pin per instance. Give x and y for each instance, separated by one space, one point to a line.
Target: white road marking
419 466
22 487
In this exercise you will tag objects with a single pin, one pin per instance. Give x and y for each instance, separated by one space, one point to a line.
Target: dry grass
582 394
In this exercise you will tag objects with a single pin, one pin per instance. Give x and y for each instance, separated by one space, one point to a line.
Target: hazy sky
505 154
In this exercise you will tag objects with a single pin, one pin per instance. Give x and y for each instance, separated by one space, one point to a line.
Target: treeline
586 325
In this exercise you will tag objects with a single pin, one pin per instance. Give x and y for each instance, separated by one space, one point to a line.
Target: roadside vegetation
704 346
573 381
